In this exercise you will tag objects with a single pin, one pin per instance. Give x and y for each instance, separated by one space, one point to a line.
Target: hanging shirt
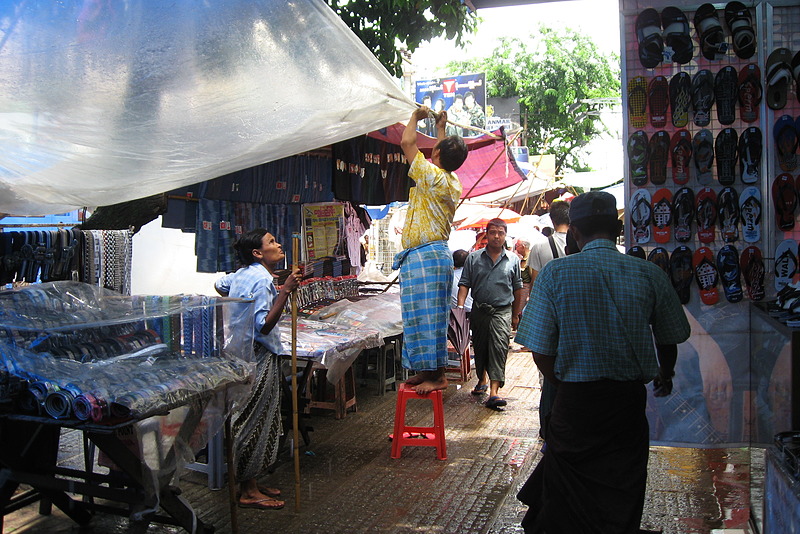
431 205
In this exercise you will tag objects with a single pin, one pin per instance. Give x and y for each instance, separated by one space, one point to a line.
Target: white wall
164 263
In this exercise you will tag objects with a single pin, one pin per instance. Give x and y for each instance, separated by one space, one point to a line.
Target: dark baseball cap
591 204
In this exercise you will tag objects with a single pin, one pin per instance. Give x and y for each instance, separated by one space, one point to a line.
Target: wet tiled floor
350 484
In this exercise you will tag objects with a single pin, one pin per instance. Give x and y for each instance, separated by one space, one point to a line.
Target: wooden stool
344 392
421 436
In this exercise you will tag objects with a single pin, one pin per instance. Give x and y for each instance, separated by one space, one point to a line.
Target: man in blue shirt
257 425
494 277
590 323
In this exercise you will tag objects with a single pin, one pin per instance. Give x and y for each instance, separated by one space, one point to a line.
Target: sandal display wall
712 199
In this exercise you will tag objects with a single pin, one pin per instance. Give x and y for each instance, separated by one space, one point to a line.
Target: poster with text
322 227
464 98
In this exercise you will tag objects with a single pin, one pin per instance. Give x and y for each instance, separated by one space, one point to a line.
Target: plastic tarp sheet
103 102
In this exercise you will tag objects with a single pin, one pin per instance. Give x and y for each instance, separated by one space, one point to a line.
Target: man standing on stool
426 265
493 274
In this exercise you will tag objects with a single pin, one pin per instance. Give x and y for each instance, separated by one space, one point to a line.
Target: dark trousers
593 475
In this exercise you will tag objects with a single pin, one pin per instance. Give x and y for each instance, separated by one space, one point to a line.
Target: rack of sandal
712 187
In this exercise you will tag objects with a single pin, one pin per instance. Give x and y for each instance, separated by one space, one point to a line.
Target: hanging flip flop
662 215
728 214
680 266
678 45
749 92
786 142
750 149
726 151
705 272
658 154
785 263
796 74
638 148
683 212
680 99
730 273
660 257
648 33
779 77
658 101
784 198
725 88
637 252
681 154
641 215
712 38
702 97
703 152
706 210
752 264
750 212
637 101
740 24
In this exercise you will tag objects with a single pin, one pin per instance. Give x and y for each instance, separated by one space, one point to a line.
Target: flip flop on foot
263 504
269 492
495 403
480 390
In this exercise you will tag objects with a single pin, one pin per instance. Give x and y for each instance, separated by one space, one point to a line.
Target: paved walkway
351 485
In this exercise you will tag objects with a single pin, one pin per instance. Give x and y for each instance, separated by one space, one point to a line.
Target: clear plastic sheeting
379 312
75 351
335 347
103 102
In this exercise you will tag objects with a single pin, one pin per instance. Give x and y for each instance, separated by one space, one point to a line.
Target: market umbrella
479 220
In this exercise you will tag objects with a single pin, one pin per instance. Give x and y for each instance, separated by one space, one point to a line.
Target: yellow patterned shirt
431 203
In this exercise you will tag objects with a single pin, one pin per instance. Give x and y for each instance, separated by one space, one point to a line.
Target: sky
599 19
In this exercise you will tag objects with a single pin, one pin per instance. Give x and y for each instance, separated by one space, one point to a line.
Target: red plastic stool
421 436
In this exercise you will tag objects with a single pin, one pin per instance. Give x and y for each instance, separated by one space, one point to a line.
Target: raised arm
409 140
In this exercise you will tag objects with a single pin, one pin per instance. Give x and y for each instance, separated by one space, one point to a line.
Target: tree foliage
550 74
380 24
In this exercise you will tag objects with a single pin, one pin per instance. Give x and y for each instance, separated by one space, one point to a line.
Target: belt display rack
145 379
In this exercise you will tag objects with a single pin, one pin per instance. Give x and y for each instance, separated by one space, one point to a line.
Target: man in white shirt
553 247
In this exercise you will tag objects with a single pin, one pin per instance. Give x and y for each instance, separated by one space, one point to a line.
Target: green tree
381 24
550 74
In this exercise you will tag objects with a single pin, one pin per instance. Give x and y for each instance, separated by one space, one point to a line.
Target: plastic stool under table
420 436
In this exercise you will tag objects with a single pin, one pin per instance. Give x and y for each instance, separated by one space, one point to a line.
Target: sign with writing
323 225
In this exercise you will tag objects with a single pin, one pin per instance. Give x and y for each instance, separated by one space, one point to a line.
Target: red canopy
483 151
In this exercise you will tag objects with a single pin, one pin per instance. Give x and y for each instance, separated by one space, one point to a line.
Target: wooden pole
228 438
295 416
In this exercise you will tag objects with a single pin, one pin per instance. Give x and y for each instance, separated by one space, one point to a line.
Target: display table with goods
335 325
147 379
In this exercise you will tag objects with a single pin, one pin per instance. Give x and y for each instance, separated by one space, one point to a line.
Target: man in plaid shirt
591 323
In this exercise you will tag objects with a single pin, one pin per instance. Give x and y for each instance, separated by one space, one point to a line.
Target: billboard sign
464 98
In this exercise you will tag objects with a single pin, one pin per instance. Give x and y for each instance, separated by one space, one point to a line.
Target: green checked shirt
597 313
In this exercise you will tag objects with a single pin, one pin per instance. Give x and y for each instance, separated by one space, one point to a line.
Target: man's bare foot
439 382
415 380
